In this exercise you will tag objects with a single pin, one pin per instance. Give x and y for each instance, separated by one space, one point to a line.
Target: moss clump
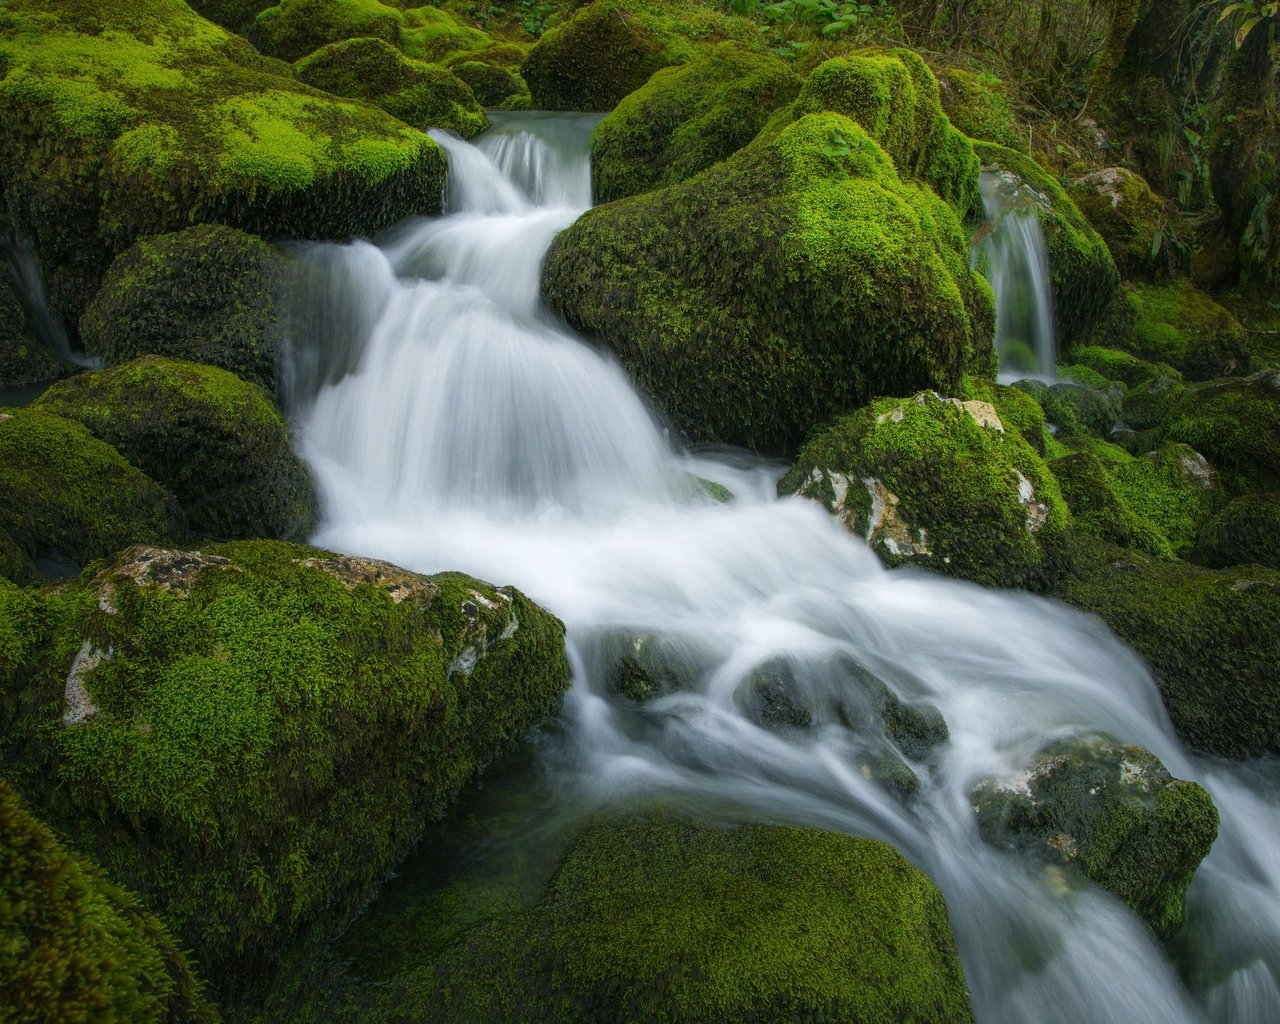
1074 408
419 94
208 294
437 36
1014 407
293 28
789 282
1113 364
234 15
684 119
136 118
76 946
1210 637
1084 276
978 105
15 563
937 483
657 918
493 85
1245 532
1139 226
265 729
62 490
213 440
1098 505
1114 813
1152 402
24 358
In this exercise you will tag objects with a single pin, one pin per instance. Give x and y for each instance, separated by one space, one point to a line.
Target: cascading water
453 424
20 261
1017 267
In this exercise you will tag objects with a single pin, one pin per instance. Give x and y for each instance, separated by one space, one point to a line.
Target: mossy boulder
64 491
1139 227
686 118
209 294
1210 637
792 281
493 84
137 117
1098 505
1114 364
978 104
1073 408
251 736
1015 408
641 666
1151 402
234 15
75 947
1245 532
938 483
24 358
15 564
1082 272
659 918
1114 813
212 439
419 94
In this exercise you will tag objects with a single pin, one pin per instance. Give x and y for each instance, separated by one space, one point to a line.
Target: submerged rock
1114 813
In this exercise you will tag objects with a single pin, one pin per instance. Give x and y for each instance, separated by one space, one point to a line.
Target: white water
454 425
1017 267
20 263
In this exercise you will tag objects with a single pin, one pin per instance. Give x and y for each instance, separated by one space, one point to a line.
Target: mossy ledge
251 736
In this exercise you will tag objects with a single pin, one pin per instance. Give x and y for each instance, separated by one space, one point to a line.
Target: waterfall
24 273
453 423
1018 269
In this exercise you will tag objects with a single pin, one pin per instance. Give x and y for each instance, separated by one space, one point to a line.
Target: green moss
215 441
1171 487
209 294
684 119
493 85
978 105
76 946
1139 227
234 15
64 491
1084 276
1113 812
1245 532
926 482
15 564
1074 408
1015 408
1116 365
269 729
419 94
1150 403
437 36
293 28
24 358
794 280
1098 505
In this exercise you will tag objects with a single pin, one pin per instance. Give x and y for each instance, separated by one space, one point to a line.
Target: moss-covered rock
212 439
24 358
136 117
419 94
642 666
63 491
794 280
1015 408
493 84
1245 532
937 483
15 563
1139 227
978 104
1114 813
75 947
1210 637
1114 364
209 294
1074 408
1098 505
1084 276
252 736
686 118
234 15
1151 402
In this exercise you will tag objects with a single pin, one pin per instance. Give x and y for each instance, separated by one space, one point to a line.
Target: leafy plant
1250 13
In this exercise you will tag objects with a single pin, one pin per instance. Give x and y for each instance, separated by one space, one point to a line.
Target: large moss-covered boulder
494 84
209 294
656 918
75 947
420 94
1245 532
938 483
1099 507
794 280
686 118
1082 272
1114 813
134 117
63 491
1139 226
1210 637
251 736
978 105
24 358
212 439
1113 364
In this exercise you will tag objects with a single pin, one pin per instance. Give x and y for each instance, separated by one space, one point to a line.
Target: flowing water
454 424
1017 266
19 259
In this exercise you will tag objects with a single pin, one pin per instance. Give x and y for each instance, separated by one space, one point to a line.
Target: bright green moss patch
1113 364
266 729
1114 813
938 484
1245 532
684 119
419 94
76 947
435 35
794 280
214 440
63 490
493 84
209 294
1140 227
978 105
293 28
1098 505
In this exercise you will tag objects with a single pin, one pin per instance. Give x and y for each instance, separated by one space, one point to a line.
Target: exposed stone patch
78 706
162 569
1037 511
399 584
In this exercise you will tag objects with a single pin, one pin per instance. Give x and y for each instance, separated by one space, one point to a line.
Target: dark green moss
77 947
1074 408
212 439
978 104
234 15
1098 506
684 119
1139 227
24 358
493 85
62 490
925 481
419 94
1247 531
209 294
794 280
1150 403
268 728
1114 813
15 564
